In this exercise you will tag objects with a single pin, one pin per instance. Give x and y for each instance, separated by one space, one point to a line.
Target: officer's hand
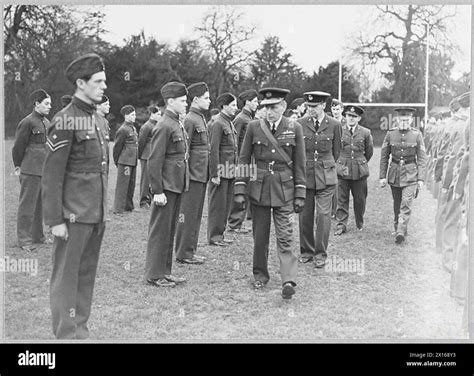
420 184
216 181
383 183
240 201
60 231
17 171
298 205
160 199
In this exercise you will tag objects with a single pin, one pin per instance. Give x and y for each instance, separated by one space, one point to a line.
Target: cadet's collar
172 114
247 112
228 118
89 108
195 110
37 114
129 123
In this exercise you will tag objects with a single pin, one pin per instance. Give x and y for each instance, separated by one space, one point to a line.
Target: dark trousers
282 220
72 281
29 226
315 243
402 201
163 219
358 188
334 202
189 223
237 214
124 189
145 189
220 200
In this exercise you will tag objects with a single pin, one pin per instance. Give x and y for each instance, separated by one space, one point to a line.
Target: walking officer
353 169
337 107
29 151
144 150
406 171
169 178
277 145
125 158
192 202
74 189
250 100
322 138
222 163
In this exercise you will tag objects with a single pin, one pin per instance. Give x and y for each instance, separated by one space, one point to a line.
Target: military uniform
29 151
192 202
322 147
275 188
407 167
169 174
222 162
237 215
74 189
125 158
144 150
352 171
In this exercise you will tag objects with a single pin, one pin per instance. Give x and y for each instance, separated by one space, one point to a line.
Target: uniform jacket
224 144
74 183
126 145
408 161
168 162
355 154
275 184
29 149
442 148
241 122
322 148
198 135
144 139
454 151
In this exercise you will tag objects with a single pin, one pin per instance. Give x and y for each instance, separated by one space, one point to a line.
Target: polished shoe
218 243
203 258
319 263
176 280
28 247
339 231
160 282
228 241
305 259
241 230
288 290
360 228
191 261
399 238
258 285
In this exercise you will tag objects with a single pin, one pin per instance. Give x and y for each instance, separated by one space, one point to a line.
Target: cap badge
310 97
268 94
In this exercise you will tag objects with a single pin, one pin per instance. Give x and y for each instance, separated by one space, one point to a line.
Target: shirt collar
89 108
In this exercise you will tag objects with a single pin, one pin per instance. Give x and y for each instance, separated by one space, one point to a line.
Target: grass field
402 294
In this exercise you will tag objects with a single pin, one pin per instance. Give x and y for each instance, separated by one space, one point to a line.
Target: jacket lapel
281 126
324 124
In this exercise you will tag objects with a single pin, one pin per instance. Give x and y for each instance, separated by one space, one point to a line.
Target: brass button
273 150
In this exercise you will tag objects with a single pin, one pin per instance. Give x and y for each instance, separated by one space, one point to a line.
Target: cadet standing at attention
103 109
75 197
322 137
407 168
278 148
192 202
222 163
250 101
29 151
353 169
125 158
337 107
144 150
169 178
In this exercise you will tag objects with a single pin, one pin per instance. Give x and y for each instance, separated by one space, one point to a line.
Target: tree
225 33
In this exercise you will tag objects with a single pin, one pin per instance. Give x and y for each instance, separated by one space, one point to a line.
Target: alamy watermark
75 123
336 264
390 122
237 170
12 265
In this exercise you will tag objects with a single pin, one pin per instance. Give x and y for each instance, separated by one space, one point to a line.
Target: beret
196 90
84 66
153 109
173 90
248 95
296 103
225 99
39 95
104 99
127 109
214 111
336 102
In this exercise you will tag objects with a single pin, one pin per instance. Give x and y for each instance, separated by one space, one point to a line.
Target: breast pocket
88 144
308 142
200 136
260 146
287 145
178 141
410 149
324 142
37 135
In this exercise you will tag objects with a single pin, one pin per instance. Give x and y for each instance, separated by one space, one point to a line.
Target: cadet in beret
125 157
29 151
277 145
103 109
353 169
169 178
144 150
407 167
192 202
299 105
322 139
65 100
249 98
74 189
222 163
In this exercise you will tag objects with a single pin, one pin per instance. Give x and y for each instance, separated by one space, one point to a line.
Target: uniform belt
80 168
317 156
37 145
272 166
402 162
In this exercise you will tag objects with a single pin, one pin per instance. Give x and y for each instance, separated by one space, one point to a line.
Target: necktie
352 131
273 128
316 124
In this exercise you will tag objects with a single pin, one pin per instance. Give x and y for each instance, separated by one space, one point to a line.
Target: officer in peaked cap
353 169
169 178
406 171
74 191
29 151
322 137
277 146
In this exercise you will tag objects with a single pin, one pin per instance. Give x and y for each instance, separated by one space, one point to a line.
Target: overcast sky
314 34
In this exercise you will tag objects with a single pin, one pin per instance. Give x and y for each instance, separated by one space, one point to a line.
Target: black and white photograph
236 173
